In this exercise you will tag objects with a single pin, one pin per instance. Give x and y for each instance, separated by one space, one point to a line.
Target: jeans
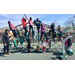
59 35
42 35
14 33
25 30
38 28
30 27
6 48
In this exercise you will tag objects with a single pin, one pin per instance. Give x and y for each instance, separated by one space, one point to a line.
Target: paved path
21 54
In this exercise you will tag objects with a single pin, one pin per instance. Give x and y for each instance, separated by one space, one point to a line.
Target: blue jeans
25 30
30 27
42 35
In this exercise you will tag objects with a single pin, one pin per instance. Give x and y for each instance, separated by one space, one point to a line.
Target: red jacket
23 23
11 26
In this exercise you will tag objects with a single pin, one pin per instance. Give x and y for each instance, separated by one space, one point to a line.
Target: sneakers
8 53
44 52
5 55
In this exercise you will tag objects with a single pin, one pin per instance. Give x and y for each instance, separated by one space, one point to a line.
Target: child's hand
23 16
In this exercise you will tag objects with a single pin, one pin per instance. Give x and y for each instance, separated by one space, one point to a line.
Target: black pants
52 32
38 28
59 35
6 48
42 35
14 33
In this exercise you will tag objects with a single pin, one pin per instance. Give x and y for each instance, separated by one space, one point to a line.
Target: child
23 20
42 31
59 28
43 46
48 41
38 22
11 26
37 49
30 24
29 45
52 29
60 34
67 42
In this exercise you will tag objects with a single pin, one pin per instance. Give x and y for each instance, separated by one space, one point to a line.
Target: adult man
6 42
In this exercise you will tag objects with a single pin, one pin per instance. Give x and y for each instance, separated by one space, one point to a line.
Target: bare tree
70 22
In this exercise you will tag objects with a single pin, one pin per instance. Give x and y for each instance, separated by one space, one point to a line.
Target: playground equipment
68 51
20 39
73 38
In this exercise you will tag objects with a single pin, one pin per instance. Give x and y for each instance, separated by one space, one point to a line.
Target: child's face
68 34
42 25
52 23
58 26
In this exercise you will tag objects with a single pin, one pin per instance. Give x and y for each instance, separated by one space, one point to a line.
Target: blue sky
45 18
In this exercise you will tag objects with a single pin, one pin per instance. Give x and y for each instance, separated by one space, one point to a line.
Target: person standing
11 26
43 46
23 20
43 31
38 23
6 43
30 24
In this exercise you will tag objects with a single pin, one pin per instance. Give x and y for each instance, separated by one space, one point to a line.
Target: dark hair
24 19
41 24
8 22
30 18
6 30
37 19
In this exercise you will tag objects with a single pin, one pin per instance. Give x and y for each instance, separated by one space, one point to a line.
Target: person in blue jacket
38 23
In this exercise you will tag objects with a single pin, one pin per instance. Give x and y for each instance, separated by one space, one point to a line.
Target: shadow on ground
24 50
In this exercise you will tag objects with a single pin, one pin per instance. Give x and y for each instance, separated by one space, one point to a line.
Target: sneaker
8 53
5 55
45 52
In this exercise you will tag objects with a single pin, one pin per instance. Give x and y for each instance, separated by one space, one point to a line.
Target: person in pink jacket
11 26
30 24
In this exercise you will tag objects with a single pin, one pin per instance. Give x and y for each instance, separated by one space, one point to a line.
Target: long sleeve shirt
42 28
23 23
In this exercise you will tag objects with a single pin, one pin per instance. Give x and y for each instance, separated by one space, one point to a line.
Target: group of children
38 24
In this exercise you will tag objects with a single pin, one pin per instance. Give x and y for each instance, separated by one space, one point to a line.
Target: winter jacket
5 38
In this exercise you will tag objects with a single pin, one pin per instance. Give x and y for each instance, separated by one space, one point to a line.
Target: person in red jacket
23 20
11 26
